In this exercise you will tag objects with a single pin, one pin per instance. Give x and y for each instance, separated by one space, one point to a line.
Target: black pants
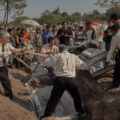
60 85
116 77
107 46
5 81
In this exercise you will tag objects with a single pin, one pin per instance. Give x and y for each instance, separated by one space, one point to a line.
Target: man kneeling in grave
64 65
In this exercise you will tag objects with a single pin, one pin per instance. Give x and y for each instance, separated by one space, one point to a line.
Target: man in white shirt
5 51
115 52
91 35
64 65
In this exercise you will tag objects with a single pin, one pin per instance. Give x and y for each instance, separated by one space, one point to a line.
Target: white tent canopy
30 22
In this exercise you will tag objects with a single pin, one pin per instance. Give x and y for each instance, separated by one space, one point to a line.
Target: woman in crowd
55 31
48 49
38 39
18 40
26 35
78 31
12 41
48 33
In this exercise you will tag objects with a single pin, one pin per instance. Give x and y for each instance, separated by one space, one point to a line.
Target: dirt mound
102 104
10 110
20 108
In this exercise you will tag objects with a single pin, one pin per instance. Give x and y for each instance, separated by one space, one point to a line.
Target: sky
37 7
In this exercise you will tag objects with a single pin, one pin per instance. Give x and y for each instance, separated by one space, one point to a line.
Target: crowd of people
55 42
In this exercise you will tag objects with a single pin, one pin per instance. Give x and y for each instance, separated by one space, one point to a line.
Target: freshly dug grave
101 104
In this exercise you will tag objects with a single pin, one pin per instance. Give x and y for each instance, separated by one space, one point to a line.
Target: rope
37 54
33 53
34 107
23 62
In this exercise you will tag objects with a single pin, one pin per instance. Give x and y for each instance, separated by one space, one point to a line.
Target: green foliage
17 20
95 16
50 19
57 11
56 17
114 9
112 6
107 3
14 6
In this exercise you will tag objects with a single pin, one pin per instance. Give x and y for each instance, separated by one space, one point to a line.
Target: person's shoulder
26 33
54 46
8 45
0 45
57 56
45 45
68 29
61 29
44 33
73 55
118 34
51 33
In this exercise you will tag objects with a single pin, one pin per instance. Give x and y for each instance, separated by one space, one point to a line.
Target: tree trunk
4 17
7 13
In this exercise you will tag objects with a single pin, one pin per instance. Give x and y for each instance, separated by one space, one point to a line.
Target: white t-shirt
89 37
46 48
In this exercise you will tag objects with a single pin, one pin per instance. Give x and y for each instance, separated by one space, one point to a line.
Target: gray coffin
64 108
95 59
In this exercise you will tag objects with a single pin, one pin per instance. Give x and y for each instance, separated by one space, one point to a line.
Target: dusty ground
21 108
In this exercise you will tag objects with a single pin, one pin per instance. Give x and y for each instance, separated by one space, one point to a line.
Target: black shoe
44 116
112 87
79 115
10 96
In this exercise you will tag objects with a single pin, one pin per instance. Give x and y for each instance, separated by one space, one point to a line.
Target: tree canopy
57 17
15 7
108 3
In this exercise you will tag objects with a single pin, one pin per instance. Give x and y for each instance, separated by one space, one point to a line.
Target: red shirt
27 37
